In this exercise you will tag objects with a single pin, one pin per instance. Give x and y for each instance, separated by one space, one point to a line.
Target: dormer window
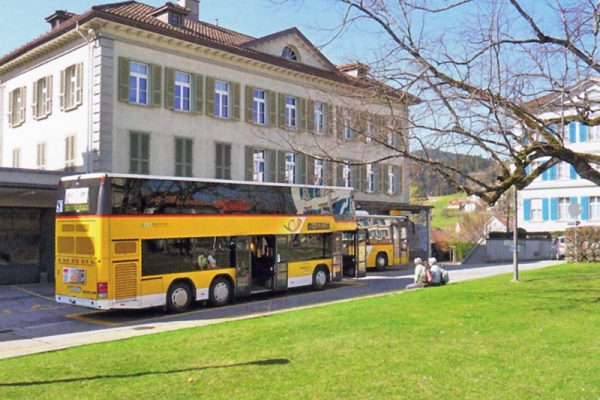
289 54
174 19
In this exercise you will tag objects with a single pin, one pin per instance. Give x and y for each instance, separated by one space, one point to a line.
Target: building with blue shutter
546 201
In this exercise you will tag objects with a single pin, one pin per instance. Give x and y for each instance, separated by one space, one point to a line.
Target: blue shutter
545 209
572 132
585 205
553 209
527 170
582 133
573 173
526 209
545 175
552 173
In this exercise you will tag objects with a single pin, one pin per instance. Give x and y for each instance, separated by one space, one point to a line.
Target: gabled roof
139 15
255 43
566 97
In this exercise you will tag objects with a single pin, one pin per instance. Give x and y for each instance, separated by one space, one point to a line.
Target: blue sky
253 17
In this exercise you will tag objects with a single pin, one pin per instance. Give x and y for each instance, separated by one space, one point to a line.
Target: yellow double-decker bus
132 241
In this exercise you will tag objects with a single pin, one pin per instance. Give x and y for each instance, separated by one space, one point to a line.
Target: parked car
558 249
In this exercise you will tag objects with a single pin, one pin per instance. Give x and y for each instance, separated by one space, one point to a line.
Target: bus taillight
102 289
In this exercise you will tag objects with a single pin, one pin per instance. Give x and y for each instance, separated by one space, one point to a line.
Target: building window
16 155
536 210
174 19
562 170
16 107
319 118
42 97
41 156
319 173
183 89
71 86
259 165
392 182
259 106
563 208
290 168
371 177
348 126
70 153
594 208
347 176
221 99
183 157
139 153
223 161
291 120
594 132
289 54
138 83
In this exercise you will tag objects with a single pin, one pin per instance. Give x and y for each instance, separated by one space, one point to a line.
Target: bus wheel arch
180 295
221 291
381 261
320 277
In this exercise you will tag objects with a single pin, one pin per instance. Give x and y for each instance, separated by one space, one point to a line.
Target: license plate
75 289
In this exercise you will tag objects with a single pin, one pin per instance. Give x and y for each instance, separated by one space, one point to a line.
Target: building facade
131 88
545 203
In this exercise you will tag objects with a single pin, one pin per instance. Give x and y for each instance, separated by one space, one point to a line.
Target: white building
545 203
131 88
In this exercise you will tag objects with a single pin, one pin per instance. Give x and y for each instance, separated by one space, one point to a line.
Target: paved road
31 322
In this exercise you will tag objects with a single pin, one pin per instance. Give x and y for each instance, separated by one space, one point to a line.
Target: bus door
243 265
336 253
281 264
361 252
397 243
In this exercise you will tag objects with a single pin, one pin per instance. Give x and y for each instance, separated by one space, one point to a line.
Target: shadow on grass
274 361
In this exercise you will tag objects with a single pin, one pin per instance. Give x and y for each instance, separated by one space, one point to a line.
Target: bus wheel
179 297
381 262
220 291
319 279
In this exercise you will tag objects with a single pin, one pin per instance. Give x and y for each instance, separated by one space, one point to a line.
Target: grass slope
449 220
484 339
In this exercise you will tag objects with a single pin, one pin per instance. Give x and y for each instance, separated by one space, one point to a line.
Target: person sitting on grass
421 275
436 273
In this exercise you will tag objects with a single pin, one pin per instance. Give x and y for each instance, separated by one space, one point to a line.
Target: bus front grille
125 281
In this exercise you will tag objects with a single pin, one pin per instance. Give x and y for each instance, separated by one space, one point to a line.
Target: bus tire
179 297
381 262
220 291
320 278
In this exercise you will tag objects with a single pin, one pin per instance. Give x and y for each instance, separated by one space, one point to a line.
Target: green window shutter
198 94
223 161
310 170
179 144
310 116
281 166
339 122
327 178
339 175
249 163
235 93
399 180
281 109
362 180
34 106
170 89
272 100
329 119
301 168
249 103
210 96
183 157
382 178
272 165
139 153
123 82
302 114
156 85
11 116
145 160
219 161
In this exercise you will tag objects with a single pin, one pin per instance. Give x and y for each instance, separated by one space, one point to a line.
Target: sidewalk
16 348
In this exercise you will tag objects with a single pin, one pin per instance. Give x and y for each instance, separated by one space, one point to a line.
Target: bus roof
189 179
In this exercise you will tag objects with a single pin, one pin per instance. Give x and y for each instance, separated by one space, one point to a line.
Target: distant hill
425 182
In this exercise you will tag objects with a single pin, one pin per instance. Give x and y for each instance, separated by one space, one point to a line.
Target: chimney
193 6
355 69
58 18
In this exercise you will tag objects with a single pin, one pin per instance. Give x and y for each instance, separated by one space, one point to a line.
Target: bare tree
497 78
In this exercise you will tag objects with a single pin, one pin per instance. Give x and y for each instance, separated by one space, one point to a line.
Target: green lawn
484 339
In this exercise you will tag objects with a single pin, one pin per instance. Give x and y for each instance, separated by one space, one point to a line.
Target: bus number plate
73 275
75 289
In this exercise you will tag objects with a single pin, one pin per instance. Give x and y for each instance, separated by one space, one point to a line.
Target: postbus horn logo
294 225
